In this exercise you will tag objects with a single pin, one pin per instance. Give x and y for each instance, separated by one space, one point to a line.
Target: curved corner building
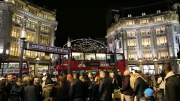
40 25
148 35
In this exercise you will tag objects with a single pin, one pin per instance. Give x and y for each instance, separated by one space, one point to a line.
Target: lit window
146 42
129 15
147 55
30 36
144 21
45 28
163 54
131 33
144 33
30 24
130 23
30 54
158 19
131 43
132 56
158 11
14 46
44 39
160 31
143 14
15 32
161 40
16 19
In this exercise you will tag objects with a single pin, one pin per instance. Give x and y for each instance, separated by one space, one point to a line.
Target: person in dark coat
172 85
30 94
16 91
38 88
60 92
9 84
126 88
3 94
91 84
139 86
76 91
95 92
105 88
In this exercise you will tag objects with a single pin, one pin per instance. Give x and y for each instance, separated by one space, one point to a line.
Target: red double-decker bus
83 62
12 67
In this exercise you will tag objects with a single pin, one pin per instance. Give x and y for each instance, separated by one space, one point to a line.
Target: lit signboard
45 48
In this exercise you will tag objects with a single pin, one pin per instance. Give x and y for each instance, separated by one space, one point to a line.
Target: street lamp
69 46
23 38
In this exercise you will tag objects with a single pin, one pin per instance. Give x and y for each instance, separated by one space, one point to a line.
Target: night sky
83 18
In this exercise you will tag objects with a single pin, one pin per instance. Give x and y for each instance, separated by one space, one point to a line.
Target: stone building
148 36
40 25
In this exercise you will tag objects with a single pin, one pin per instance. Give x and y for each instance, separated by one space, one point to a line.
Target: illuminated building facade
40 25
147 40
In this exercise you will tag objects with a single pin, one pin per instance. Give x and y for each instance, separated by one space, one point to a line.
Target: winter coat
126 88
30 94
105 89
95 93
147 99
172 87
139 86
46 91
16 93
3 95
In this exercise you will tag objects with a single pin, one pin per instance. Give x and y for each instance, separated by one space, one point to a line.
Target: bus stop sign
45 48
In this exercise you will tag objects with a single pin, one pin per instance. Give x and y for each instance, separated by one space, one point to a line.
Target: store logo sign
44 48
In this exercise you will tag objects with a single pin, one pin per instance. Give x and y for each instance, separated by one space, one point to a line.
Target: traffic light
178 55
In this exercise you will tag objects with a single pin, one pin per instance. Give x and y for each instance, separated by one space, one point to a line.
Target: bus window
100 56
119 57
89 56
78 56
13 65
5 65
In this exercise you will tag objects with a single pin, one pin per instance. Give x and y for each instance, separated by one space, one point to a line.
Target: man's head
75 75
102 74
111 75
10 77
166 68
126 72
90 75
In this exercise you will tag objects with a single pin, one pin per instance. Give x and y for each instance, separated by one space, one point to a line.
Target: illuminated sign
44 48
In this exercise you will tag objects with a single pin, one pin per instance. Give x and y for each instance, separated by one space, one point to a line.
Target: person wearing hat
148 95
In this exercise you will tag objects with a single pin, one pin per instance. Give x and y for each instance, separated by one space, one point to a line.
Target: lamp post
23 38
69 46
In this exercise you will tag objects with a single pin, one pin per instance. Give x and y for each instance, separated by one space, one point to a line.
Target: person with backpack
160 87
172 85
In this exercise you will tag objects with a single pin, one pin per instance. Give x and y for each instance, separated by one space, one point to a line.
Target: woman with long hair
95 92
69 80
60 92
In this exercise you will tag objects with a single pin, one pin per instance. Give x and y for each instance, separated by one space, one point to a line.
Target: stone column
124 44
156 67
139 44
170 41
141 67
52 35
36 68
38 32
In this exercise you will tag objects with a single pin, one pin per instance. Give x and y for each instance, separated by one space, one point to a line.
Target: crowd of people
129 86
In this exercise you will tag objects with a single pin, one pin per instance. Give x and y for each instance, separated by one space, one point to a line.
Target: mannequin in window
82 64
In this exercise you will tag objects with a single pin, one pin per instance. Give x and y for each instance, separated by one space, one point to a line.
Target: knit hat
148 92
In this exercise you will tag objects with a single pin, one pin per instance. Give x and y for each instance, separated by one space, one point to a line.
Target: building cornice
117 28
26 13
